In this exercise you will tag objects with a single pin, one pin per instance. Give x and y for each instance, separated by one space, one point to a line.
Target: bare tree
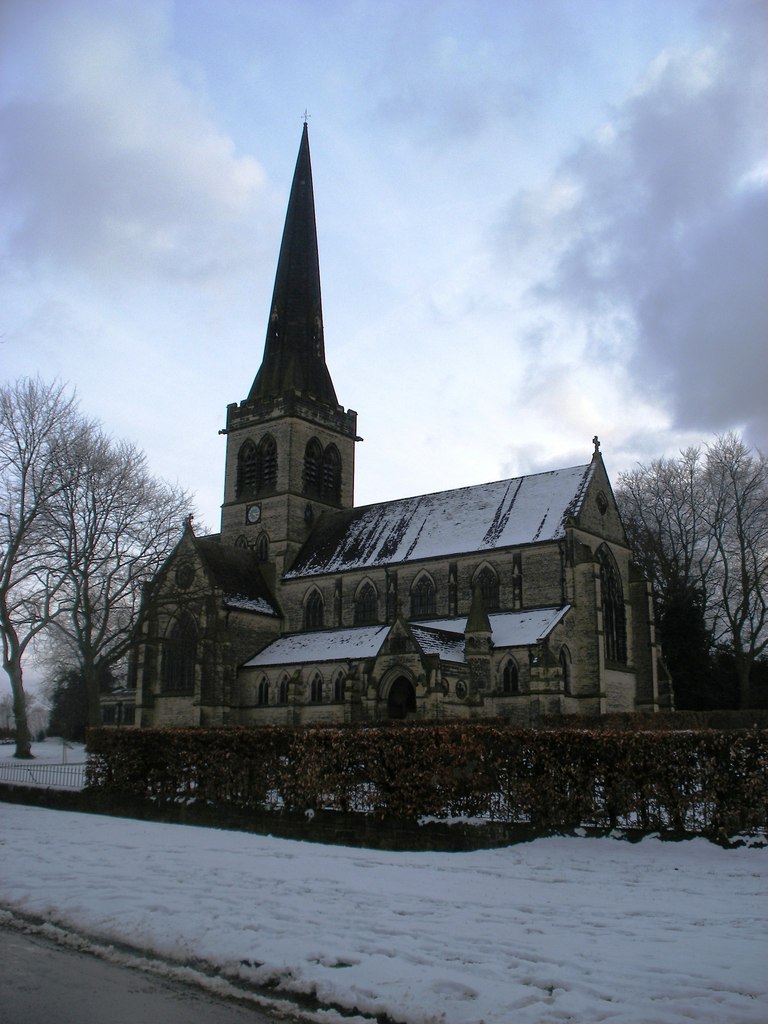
737 485
38 423
113 526
698 525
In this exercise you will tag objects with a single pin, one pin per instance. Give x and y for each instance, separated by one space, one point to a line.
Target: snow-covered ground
560 929
50 751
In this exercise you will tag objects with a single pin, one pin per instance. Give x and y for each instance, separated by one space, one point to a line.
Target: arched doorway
401 700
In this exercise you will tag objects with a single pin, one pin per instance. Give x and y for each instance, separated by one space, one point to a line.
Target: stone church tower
290 445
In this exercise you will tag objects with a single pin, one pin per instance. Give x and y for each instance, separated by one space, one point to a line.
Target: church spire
294 351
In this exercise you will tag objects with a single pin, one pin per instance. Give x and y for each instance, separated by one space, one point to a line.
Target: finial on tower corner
596 443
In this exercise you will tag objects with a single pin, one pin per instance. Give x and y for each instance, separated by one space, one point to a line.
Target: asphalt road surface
42 983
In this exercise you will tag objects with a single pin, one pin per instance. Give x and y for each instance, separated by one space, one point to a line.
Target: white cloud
110 161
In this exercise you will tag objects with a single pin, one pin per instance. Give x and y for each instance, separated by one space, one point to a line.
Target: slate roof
294 350
237 572
523 510
509 629
444 637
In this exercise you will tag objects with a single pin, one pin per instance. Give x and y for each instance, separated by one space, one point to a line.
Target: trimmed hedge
693 782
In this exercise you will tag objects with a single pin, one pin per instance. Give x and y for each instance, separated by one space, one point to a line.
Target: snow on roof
510 629
444 637
249 604
522 510
324 645
449 646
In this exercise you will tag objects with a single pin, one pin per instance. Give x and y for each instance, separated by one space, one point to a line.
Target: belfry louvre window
313 467
366 605
322 472
614 612
179 656
423 599
257 466
331 482
266 464
246 468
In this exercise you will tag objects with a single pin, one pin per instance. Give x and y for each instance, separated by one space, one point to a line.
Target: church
506 600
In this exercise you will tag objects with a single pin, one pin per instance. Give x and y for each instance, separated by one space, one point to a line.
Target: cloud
652 237
109 161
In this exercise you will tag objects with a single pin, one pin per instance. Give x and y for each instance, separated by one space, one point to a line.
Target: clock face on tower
253 514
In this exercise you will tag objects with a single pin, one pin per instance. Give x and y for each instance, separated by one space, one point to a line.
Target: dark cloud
663 218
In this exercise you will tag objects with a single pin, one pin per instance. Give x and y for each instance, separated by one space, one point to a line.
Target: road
43 983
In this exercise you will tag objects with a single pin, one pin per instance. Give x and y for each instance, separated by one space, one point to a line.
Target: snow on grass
52 750
560 929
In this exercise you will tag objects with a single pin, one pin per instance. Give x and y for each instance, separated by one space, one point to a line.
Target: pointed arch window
282 691
423 598
366 605
488 582
614 612
316 689
313 468
331 482
510 677
261 548
338 687
565 669
266 464
262 694
180 655
247 472
314 611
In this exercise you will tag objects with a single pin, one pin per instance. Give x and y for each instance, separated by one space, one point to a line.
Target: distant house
510 599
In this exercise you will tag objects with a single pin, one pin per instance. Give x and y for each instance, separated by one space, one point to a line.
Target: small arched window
314 611
180 655
565 668
262 694
366 605
242 541
261 548
510 677
282 692
423 598
313 468
247 469
338 687
316 689
488 582
614 612
266 463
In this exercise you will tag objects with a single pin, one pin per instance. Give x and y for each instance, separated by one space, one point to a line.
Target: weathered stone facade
512 599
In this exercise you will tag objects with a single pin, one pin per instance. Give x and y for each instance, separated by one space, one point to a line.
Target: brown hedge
696 782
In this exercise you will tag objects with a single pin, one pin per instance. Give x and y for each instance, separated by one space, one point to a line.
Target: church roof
294 351
509 629
523 510
237 572
444 637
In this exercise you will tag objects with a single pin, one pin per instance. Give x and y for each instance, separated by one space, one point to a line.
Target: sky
566 928
538 221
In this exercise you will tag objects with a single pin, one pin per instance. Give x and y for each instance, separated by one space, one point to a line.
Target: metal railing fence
52 776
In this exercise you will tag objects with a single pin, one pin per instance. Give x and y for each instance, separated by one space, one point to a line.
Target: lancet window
423 598
180 655
488 582
366 605
510 677
614 612
314 611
